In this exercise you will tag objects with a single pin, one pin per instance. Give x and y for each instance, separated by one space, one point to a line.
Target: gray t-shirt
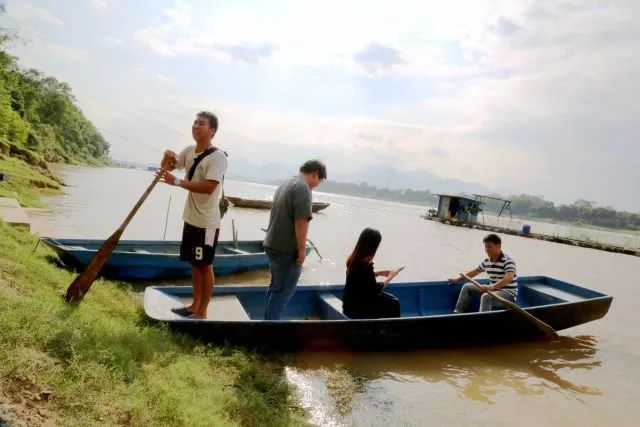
292 201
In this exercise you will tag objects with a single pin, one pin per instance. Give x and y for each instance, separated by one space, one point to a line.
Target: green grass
26 184
105 363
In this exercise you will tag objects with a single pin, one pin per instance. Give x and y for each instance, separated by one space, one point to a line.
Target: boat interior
317 302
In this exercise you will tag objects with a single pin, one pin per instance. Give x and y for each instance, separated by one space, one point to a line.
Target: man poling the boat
206 166
502 275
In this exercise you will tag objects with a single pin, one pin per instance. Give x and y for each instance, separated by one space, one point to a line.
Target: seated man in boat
363 297
502 275
206 166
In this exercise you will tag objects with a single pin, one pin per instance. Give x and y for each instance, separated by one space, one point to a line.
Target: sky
536 97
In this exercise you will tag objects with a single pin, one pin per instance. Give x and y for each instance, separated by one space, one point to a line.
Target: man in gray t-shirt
286 238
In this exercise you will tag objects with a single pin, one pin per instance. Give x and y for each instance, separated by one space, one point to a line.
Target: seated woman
363 297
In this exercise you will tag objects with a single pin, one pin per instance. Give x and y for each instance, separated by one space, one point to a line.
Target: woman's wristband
177 182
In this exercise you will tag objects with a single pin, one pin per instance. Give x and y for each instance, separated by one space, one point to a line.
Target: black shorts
198 245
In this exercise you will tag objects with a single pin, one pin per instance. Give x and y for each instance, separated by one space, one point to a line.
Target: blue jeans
284 279
487 302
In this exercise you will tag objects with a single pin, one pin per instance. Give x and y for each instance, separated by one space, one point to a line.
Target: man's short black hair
311 166
213 120
493 238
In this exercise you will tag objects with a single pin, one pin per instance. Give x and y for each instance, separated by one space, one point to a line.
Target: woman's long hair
367 246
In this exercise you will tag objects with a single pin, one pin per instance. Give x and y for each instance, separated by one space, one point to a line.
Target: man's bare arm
471 273
508 278
203 187
302 228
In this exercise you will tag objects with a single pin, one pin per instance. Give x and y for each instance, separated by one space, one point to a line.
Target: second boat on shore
158 259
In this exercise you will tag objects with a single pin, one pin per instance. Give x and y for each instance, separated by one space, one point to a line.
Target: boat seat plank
221 307
236 251
555 292
226 307
331 306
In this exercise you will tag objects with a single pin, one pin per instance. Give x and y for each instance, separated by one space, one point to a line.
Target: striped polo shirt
497 270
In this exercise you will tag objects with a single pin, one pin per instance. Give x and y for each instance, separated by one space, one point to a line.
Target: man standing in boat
502 275
286 240
206 166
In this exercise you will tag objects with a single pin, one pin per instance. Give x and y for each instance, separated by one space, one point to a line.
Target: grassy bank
104 363
27 183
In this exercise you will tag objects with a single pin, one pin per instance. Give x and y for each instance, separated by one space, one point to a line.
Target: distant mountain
384 176
381 176
265 172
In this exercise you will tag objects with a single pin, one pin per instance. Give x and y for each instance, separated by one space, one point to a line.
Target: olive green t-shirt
291 201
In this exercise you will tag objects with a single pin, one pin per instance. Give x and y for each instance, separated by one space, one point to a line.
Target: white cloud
179 16
29 12
101 5
377 59
172 36
60 51
111 40
314 35
539 96
557 113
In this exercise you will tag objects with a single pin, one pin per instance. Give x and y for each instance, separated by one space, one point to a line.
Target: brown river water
591 377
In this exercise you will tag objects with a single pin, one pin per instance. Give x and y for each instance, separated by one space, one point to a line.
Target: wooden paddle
543 327
80 286
313 245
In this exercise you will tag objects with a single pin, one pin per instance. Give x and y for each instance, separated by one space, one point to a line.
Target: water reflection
345 382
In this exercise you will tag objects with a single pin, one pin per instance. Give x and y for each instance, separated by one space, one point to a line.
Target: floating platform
545 237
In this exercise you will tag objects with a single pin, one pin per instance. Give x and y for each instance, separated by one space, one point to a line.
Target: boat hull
153 260
426 319
267 204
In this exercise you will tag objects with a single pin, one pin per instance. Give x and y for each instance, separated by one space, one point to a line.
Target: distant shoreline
427 203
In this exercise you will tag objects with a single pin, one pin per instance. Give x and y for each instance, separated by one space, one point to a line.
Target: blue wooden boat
314 316
158 259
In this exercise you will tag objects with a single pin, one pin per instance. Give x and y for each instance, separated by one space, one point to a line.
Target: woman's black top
361 288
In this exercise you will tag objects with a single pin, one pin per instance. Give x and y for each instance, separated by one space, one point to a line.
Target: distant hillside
372 192
385 176
381 176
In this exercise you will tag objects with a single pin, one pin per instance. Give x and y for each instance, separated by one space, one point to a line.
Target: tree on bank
39 118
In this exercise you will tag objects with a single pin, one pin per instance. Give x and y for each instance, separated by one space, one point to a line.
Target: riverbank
27 183
104 363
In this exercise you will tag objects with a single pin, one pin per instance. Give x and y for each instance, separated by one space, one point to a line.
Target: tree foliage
581 211
40 120
371 191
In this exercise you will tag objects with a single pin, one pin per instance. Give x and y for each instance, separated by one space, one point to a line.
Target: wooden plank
221 307
333 304
555 292
236 251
